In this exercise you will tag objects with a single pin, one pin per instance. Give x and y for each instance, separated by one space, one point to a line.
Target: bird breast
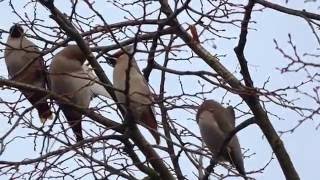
15 61
20 55
139 93
69 79
210 131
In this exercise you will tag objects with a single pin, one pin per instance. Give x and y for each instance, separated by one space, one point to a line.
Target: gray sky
263 60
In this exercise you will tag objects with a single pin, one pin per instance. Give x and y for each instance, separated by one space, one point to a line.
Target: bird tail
150 121
235 158
45 115
155 136
74 119
39 101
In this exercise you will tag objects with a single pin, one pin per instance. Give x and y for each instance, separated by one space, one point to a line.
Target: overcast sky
263 60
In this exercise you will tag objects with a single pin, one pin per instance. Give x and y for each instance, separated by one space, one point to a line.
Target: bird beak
112 60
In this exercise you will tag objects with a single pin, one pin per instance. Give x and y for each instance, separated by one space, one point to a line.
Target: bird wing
25 64
38 67
234 150
236 157
140 85
35 73
223 120
149 120
141 97
232 118
210 131
95 88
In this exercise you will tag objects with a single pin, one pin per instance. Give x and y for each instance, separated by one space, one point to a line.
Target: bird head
74 52
16 31
207 105
128 50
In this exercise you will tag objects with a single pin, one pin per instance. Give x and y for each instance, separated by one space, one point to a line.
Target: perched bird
25 64
215 123
70 77
139 95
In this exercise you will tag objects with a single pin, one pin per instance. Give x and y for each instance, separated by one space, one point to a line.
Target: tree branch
242 42
137 137
303 13
252 100
87 112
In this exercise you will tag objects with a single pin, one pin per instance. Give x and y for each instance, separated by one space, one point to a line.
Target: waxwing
72 78
26 65
215 123
139 95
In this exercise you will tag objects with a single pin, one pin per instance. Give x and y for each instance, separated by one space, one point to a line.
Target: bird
25 64
215 123
72 78
139 95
